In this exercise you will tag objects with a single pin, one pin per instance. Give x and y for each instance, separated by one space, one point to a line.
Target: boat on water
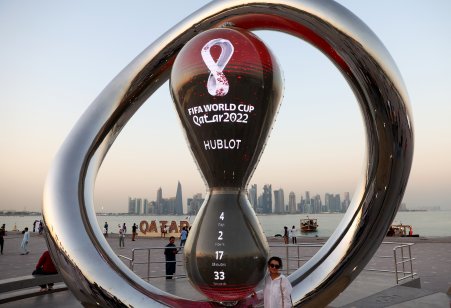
401 231
309 224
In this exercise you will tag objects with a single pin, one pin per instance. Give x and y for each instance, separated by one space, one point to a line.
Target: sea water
427 223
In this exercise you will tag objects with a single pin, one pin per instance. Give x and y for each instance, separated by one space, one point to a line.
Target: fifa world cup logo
217 82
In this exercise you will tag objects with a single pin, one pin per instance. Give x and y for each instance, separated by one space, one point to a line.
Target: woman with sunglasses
277 292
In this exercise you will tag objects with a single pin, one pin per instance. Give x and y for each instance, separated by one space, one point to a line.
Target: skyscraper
347 201
292 203
308 203
159 201
131 205
266 199
178 200
279 202
252 194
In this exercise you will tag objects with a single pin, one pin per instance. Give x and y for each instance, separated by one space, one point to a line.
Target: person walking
134 228
45 266
121 237
277 291
105 228
293 235
25 240
2 234
169 253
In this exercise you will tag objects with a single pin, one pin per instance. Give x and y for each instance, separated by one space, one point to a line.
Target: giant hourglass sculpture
227 87
227 234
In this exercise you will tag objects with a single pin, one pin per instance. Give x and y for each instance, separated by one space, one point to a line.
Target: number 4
221 216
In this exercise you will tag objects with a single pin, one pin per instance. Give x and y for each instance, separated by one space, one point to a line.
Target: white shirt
273 295
293 233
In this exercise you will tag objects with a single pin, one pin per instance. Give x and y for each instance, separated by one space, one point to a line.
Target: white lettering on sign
222 144
224 113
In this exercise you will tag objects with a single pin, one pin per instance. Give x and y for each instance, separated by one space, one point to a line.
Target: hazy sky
57 56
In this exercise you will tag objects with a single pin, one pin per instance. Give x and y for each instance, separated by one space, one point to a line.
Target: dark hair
276 259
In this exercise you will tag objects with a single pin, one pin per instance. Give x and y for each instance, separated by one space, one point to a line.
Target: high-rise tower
292 203
279 201
178 209
267 199
253 196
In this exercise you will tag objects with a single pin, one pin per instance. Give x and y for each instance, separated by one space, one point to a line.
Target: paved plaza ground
432 260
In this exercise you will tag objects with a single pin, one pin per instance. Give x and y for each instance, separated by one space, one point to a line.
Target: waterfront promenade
432 263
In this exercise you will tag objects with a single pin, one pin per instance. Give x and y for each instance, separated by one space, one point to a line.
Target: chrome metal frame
89 266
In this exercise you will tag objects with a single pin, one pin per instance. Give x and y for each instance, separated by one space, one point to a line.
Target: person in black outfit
169 252
2 234
134 229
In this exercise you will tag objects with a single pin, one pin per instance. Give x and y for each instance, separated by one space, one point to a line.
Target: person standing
105 227
183 236
41 227
121 236
25 240
169 253
45 266
277 291
285 234
124 228
293 235
134 228
166 229
2 234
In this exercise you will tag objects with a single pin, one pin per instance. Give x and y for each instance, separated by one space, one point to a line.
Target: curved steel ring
87 263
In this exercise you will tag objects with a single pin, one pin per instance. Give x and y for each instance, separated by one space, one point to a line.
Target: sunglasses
276 266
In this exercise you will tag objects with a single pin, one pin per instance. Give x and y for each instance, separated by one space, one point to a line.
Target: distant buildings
194 204
261 203
161 206
307 204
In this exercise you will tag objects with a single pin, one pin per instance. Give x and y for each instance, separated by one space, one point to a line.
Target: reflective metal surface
87 263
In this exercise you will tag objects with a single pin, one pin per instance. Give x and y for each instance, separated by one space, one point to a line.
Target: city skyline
309 202
56 57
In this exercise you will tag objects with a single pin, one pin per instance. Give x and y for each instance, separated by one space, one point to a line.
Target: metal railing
401 258
408 259
146 259
293 256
